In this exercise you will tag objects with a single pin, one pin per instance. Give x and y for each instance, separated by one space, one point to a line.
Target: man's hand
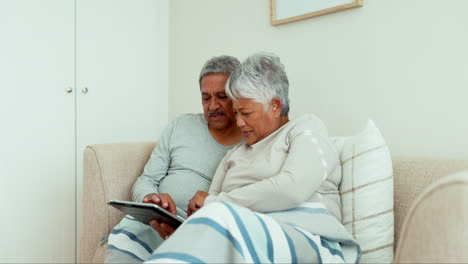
163 229
162 199
196 202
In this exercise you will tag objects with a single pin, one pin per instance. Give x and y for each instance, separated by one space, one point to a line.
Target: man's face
217 106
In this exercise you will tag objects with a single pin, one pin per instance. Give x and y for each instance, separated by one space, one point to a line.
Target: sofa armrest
434 228
109 171
412 175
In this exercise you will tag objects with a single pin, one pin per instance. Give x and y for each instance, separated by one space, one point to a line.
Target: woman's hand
163 229
162 199
196 202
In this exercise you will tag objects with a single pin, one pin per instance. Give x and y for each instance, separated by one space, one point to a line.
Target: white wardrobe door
122 61
37 135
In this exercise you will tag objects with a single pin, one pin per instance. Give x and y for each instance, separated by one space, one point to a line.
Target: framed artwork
286 11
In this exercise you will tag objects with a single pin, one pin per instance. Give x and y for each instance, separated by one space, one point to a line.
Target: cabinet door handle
69 90
84 90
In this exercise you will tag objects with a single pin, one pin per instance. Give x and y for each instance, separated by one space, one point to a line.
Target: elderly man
183 162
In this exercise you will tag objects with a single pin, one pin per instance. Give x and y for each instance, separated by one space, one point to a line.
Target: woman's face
254 123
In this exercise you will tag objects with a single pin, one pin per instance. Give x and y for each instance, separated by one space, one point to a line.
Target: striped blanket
225 233
131 242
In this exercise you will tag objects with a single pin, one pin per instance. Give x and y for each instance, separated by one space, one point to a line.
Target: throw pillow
367 193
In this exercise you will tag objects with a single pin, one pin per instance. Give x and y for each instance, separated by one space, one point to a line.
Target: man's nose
213 105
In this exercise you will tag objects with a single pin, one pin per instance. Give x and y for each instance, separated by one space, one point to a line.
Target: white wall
402 63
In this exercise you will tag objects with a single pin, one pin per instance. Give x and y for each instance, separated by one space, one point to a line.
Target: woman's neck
283 120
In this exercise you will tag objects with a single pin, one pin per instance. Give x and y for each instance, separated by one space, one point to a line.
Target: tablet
145 212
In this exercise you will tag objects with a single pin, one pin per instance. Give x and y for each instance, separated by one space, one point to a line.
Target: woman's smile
246 133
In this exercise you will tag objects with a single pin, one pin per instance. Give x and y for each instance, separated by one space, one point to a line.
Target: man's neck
226 137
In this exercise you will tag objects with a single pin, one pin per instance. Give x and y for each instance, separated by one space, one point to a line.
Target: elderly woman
274 198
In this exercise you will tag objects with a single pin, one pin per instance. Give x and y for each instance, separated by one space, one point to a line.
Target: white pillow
367 193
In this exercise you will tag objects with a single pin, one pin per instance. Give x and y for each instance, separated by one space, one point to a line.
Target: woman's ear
276 106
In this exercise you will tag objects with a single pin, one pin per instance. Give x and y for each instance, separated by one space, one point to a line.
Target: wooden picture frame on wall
287 11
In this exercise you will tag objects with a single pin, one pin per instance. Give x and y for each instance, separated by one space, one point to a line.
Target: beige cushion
435 228
367 194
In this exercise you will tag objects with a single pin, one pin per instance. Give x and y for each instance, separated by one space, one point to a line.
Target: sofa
430 202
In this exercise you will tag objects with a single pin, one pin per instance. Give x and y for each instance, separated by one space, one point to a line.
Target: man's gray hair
261 77
220 64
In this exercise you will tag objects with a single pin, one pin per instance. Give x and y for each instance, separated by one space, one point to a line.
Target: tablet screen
145 212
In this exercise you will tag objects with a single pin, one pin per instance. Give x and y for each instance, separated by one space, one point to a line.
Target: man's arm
156 168
201 197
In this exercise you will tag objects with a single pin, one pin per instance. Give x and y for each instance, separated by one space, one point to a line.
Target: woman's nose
240 121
